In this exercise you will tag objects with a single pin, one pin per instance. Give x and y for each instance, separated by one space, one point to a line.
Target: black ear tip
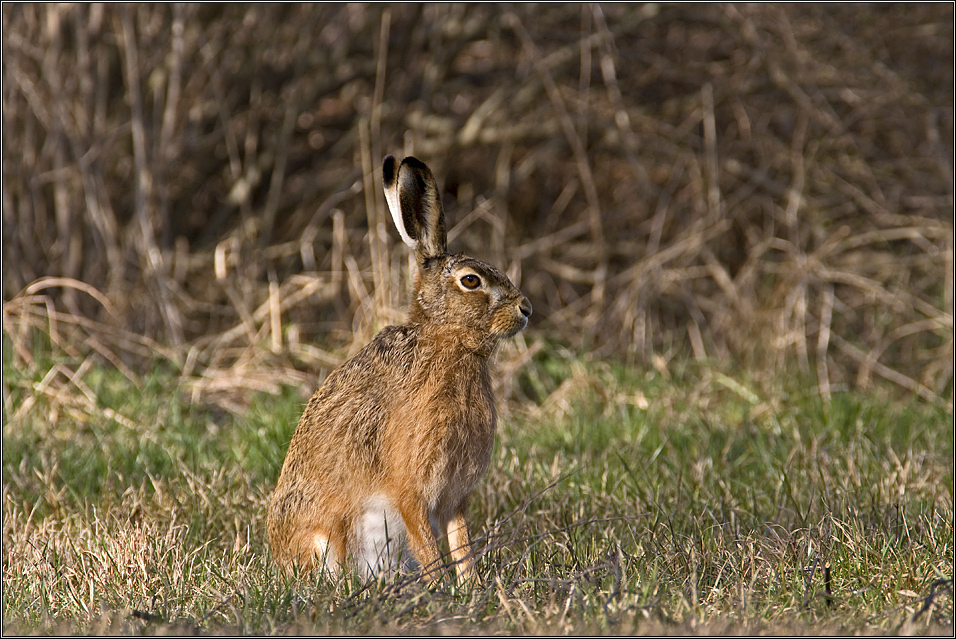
414 163
388 169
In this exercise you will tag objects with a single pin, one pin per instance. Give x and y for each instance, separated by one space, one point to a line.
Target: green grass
618 501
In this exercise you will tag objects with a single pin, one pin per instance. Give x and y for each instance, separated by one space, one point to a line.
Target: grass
688 499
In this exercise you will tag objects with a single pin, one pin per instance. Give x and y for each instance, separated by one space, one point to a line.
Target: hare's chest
462 462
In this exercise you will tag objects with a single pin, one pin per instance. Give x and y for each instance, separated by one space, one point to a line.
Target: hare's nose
525 307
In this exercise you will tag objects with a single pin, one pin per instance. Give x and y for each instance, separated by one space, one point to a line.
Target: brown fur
408 423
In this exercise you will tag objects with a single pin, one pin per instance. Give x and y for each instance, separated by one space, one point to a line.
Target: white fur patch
380 540
395 207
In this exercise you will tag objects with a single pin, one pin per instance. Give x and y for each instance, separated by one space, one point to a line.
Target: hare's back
346 416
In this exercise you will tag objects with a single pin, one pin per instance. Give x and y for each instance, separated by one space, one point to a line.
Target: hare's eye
470 281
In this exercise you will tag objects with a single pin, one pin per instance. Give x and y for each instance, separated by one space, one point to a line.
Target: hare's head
449 289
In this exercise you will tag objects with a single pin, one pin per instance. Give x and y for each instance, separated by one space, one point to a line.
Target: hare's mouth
523 323
522 316
517 324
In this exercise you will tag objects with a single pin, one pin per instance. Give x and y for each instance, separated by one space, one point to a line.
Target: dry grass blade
754 182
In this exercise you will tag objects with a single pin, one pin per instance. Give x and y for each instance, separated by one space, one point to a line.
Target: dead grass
767 184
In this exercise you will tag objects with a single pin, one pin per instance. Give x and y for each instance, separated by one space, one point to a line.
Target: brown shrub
768 184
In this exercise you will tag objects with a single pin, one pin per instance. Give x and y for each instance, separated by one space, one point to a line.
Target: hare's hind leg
324 549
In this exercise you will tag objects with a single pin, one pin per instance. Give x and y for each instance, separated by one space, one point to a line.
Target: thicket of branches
767 183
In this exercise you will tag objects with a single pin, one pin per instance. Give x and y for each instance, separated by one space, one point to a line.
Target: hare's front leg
459 543
421 537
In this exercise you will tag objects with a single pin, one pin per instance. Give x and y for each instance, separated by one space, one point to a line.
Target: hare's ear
416 208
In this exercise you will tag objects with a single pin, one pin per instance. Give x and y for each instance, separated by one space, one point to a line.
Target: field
684 499
732 411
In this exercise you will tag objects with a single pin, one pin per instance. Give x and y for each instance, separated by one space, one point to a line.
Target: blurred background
765 185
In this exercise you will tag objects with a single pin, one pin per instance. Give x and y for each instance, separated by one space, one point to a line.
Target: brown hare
392 444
